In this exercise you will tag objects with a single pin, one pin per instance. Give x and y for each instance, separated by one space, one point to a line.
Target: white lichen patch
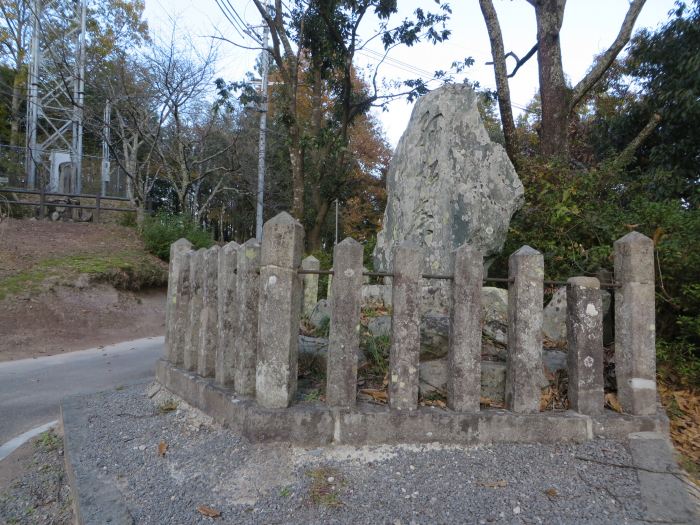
591 309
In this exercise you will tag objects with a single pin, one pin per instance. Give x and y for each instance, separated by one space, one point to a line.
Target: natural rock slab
494 313
448 184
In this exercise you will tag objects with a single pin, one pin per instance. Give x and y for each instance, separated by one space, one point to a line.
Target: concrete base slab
661 481
94 501
312 424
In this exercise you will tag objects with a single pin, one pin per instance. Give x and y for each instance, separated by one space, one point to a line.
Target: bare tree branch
501 73
627 155
601 65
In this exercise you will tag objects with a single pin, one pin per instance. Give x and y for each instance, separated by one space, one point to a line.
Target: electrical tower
56 95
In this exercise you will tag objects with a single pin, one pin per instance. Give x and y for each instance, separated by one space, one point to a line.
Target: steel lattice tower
56 88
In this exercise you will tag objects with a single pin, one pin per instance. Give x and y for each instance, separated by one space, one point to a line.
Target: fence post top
634 237
348 241
229 248
468 249
282 242
250 243
584 282
283 218
181 244
526 251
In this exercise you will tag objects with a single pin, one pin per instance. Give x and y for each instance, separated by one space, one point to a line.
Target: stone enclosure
232 338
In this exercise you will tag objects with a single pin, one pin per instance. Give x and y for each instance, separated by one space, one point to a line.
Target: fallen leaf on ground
501 483
488 402
434 403
377 395
612 402
551 492
162 447
208 511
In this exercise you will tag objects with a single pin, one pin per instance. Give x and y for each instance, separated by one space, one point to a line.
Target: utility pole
76 151
263 134
106 118
33 154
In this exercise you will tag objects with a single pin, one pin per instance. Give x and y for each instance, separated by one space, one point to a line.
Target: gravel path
247 483
39 493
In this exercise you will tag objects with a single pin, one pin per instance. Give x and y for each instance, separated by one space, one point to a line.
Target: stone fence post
464 353
344 338
246 338
226 302
524 358
177 250
584 335
310 284
195 310
209 329
280 309
405 327
181 312
635 330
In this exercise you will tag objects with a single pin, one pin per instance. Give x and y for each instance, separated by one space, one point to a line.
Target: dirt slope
71 286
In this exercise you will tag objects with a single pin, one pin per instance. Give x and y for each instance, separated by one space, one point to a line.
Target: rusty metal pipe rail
446 277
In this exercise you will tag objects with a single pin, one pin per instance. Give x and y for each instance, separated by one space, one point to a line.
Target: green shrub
163 229
326 261
573 216
127 219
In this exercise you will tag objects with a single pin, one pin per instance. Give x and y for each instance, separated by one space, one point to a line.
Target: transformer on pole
56 93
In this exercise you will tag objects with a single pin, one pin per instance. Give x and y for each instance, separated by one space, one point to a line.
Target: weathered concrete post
584 335
329 288
524 359
177 249
635 330
405 327
181 312
225 351
344 339
464 354
246 338
195 310
310 284
280 309
209 330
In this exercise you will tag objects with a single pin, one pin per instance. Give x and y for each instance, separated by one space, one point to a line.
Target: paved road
31 389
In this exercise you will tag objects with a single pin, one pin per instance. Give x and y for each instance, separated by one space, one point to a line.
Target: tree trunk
501 73
314 238
140 214
296 160
15 116
553 91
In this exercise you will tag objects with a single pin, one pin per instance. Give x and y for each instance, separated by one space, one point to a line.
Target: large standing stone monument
448 183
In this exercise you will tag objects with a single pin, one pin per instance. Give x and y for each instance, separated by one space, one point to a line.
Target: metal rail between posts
447 277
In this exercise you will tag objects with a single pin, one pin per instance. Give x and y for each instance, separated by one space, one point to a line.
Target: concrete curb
315 424
664 493
94 500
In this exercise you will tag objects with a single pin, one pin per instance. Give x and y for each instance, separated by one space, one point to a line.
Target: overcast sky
589 28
